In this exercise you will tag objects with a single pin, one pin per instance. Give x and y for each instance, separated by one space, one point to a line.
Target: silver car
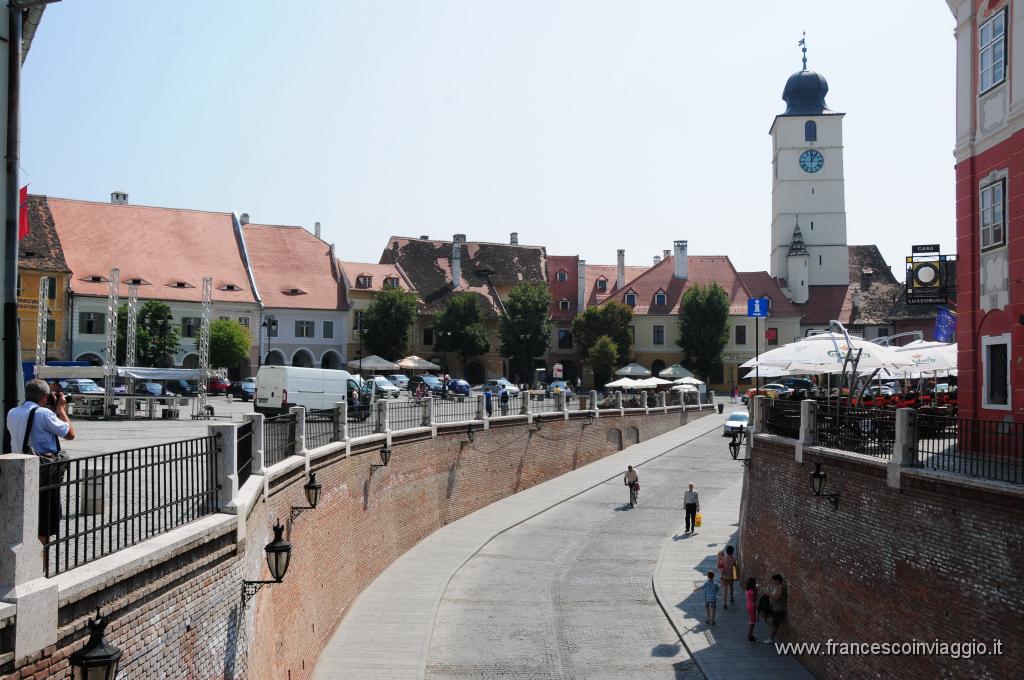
399 380
736 421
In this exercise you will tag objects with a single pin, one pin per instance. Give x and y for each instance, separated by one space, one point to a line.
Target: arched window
810 131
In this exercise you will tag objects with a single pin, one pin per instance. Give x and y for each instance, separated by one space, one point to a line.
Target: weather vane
803 48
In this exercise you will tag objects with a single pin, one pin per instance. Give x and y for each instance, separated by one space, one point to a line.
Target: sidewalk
387 631
721 651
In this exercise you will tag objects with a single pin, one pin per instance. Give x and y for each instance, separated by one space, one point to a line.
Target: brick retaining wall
939 558
181 617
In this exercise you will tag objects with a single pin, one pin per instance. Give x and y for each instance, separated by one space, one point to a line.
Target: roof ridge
487 243
133 205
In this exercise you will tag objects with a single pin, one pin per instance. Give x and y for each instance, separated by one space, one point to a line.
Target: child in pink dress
751 588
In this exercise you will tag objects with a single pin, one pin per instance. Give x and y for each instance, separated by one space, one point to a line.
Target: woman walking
751 588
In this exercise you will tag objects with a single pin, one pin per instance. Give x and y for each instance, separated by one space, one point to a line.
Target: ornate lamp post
98 659
279 555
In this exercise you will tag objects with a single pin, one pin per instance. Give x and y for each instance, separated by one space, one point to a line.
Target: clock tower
808 197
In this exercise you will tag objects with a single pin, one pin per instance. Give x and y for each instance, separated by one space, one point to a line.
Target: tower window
563 304
992 52
812 225
810 131
819 260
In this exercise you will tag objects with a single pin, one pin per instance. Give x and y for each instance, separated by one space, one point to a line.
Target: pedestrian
710 597
579 384
751 589
692 502
488 406
35 429
778 597
632 480
726 565
503 400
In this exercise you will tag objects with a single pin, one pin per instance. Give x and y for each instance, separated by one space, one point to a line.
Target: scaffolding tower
131 334
110 360
204 350
42 319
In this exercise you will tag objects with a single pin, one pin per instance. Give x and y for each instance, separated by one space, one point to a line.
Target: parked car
85 386
458 387
881 391
218 386
244 389
797 384
384 387
498 383
399 380
181 388
432 382
150 389
556 386
736 421
772 390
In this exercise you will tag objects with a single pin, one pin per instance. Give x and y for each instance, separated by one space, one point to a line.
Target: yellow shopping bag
696 520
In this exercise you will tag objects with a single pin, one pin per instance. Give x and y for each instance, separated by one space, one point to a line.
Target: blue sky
585 125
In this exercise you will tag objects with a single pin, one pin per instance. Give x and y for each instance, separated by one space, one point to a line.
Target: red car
218 386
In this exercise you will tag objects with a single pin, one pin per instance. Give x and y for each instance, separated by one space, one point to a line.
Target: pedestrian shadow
682 537
666 650
623 507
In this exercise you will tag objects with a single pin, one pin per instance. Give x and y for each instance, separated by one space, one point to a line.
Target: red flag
23 213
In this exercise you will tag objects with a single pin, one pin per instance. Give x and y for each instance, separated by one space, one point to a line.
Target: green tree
611 319
603 357
157 339
460 327
387 322
703 328
525 329
229 343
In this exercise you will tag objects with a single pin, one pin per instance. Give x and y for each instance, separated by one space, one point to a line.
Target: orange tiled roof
377 272
761 284
290 258
607 271
703 269
161 246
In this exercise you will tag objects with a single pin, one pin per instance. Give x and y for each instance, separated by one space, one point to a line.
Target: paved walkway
722 650
387 632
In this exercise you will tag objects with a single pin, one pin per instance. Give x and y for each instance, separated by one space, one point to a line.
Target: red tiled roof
161 246
286 258
563 289
761 284
703 269
825 303
593 296
377 274
40 250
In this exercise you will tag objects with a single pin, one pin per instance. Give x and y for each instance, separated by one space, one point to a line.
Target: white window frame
306 324
992 213
986 342
654 334
563 304
602 284
992 52
627 297
562 276
661 298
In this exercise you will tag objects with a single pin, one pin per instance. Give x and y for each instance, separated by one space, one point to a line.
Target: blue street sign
758 307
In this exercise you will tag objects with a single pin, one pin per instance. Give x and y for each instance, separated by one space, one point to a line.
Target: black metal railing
405 415
782 418
513 406
319 427
96 505
243 452
545 404
455 410
607 401
989 449
870 431
362 419
278 438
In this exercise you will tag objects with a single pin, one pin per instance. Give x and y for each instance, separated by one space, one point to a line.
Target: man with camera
35 429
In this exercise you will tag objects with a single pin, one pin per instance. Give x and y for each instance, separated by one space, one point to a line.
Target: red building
990 206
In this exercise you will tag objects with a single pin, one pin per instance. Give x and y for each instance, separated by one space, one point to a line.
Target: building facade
990 232
40 256
361 281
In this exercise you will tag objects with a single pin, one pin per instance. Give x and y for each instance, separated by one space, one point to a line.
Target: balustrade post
300 429
480 407
808 427
340 421
257 441
428 412
381 416
758 413
904 450
618 403
524 399
593 404
226 465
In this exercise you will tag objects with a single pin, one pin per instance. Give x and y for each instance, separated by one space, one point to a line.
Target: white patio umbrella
373 363
929 356
633 371
675 371
624 383
415 363
688 381
686 388
768 372
650 383
827 353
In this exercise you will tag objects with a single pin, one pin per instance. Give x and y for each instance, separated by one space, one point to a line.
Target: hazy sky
584 125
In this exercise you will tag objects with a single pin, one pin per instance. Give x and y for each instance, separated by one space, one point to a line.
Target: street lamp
385 456
98 659
818 478
279 555
444 350
270 323
312 491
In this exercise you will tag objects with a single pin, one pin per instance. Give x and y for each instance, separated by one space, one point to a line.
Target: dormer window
230 287
631 299
137 282
364 281
294 291
562 276
95 278
602 284
563 304
391 282
660 298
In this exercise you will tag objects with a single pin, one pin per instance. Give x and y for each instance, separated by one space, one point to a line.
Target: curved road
568 593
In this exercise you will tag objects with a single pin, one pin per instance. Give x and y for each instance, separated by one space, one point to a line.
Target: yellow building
40 256
362 281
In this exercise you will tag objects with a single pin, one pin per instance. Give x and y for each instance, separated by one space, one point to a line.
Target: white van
281 387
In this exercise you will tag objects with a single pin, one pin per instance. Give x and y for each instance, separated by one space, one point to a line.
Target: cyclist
633 482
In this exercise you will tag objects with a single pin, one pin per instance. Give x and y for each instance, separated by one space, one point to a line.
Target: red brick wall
182 618
932 560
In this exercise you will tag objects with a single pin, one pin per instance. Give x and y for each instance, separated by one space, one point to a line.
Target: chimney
513 238
682 263
119 197
244 219
424 237
620 272
459 238
316 229
657 259
665 254
457 261
581 285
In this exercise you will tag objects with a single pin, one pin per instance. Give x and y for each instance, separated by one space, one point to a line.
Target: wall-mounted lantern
98 659
818 478
385 456
312 491
279 555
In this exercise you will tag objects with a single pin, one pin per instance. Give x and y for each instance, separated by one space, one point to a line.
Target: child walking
751 588
710 597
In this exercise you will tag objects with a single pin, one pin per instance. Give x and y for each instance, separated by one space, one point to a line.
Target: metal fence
96 505
454 410
989 449
362 419
278 438
319 427
783 418
870 431
243 448
405 415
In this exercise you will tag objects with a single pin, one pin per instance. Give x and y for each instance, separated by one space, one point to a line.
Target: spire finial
803 48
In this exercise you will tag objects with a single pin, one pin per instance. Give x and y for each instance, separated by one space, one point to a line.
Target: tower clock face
811 160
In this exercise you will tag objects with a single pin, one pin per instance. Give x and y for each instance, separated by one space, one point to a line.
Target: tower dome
804 94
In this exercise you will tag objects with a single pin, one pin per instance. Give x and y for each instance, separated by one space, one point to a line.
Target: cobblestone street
568 593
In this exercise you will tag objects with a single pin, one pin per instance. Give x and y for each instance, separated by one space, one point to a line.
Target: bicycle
634 494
